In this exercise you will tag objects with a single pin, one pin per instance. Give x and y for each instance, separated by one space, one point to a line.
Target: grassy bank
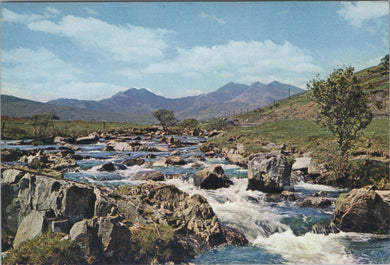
16 128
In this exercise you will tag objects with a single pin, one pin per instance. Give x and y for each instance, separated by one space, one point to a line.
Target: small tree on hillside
165 117
190 124
43 124
343 109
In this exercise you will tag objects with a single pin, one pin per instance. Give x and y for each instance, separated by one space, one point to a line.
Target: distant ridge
17 107
231 97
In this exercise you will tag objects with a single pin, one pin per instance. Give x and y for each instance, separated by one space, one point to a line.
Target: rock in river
363 210
268 172
212 177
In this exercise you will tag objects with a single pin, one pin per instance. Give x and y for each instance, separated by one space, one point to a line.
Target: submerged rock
268 172
212 177
362 210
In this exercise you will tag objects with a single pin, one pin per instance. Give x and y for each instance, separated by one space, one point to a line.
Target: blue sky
93 50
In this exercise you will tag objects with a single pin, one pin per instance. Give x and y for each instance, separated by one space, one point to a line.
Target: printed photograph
237 132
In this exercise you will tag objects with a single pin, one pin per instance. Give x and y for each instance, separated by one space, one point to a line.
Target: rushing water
279 232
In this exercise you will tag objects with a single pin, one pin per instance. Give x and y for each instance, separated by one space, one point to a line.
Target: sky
92 50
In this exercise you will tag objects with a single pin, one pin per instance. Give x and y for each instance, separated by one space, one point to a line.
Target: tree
165 117
190 124
343 109
43 123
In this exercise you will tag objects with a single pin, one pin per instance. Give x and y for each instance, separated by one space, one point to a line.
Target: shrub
47 248
364 172
154 243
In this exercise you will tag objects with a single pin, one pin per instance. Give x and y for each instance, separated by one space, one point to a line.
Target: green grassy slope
374 80
292 122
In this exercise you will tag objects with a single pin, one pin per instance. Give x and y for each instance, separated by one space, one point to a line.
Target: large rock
110 167
301 163
32 225
150 175
90 139
237 159
362 210
105 222
268 172
212 177
118 146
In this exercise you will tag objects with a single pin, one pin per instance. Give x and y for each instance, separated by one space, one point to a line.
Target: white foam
307 249
318 187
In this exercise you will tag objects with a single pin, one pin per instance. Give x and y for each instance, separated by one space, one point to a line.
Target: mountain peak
274 83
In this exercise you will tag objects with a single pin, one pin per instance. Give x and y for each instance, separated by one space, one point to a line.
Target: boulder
212 177
9 155
134 162
362 210
302 163
314 201
237 159
32 225
118 146
234 237
110 167
90 139
150 175
288 195
175 160
268 172
160 149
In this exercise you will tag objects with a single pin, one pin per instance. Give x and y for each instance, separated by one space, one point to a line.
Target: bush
364 172
154 243
47 248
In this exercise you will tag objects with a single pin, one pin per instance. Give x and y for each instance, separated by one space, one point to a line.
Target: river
279 232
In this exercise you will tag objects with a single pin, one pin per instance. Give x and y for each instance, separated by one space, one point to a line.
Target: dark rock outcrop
268 172
212 177
114 226
363 210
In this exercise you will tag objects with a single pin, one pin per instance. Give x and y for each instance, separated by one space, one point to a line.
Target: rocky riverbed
104 190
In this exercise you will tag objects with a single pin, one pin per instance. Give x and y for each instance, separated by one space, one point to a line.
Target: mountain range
232 97
137 104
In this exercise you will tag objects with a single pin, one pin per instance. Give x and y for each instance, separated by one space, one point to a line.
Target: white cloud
241 61
213 17
10 16
35 71
30 65
122 43
358 13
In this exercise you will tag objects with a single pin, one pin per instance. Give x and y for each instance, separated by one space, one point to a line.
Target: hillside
291 123
17 107
232 98
374 80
